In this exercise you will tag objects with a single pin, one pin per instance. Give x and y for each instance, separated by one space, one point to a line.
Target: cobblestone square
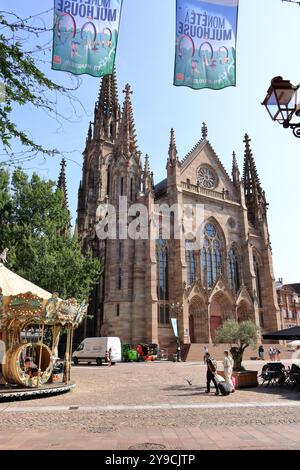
152 406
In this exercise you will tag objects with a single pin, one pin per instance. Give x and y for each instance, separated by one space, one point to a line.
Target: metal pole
40 357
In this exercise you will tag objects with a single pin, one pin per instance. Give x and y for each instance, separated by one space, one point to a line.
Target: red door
192 329
215 322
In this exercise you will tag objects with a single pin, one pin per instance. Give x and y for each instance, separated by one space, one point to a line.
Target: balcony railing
223 195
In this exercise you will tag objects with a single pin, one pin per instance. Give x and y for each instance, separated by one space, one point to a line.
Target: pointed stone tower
62 181
254 195
235 170
62 185
95 188
126 294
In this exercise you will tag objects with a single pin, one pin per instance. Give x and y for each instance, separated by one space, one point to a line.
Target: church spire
107 109
108 95
251 179
235 170
254 195
173 155
126 144
90 134
62 181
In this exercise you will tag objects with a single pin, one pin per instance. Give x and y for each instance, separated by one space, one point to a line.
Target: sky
268 35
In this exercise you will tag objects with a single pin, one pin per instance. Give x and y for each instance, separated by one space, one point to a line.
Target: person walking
228 369
205 351
271 353
261 352
210 374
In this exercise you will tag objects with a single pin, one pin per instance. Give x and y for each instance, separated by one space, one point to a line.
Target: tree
24 82
33 217
241 335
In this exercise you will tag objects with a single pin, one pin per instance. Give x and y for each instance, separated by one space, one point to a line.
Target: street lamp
281 103
177 309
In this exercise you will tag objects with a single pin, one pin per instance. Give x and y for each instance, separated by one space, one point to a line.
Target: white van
94 349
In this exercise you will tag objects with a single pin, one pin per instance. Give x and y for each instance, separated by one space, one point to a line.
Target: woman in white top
228 369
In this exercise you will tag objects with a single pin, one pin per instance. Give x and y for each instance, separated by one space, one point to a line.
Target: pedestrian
178 352
108 356
271 353
205 351
277 354
261 352
228 369
210 374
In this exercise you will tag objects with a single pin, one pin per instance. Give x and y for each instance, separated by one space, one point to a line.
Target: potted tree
239 336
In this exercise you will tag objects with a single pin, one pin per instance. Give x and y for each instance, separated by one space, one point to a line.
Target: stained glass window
258 281
162 281
233 271
190 262
212 256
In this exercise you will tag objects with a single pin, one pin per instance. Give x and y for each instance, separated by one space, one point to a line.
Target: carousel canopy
12 284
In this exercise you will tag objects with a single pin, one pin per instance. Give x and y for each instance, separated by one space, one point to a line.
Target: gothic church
231 275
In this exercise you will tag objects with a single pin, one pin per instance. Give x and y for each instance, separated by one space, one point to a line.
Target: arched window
233 271
212 255
162 281
120 278
258 281
131 189
162 270
91 181
190 262
108 181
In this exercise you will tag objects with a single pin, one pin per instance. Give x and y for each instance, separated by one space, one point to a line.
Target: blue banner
206 43
85 36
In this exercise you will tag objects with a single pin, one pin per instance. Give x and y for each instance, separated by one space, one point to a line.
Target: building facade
289 304
227 273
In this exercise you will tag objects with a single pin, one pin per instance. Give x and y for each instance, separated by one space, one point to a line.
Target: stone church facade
228 274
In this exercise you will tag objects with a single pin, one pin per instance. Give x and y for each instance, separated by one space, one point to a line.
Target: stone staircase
195 352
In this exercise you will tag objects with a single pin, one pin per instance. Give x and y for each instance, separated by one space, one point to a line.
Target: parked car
95 349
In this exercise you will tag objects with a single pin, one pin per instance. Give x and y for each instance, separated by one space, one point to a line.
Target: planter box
245 379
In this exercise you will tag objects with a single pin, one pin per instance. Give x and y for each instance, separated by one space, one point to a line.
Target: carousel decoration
31 323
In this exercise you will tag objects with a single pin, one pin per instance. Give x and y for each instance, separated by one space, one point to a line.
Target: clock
207 178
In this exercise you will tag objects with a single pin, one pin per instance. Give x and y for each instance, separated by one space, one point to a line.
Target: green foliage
240 336
34 225
25 83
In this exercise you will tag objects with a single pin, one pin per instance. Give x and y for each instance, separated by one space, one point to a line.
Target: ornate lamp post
177 309
281 103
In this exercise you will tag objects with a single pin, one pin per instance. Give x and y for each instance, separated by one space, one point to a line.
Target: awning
289 333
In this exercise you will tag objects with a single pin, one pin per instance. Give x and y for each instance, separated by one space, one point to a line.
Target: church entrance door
215 322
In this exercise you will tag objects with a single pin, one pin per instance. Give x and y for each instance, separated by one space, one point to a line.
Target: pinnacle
147 165
126 140
172 141
62 182
251 179
204 131
234 161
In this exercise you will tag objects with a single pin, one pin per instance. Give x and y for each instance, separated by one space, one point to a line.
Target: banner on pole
174 325
85 36
206 33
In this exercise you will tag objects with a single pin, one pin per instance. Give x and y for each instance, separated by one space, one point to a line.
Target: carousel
32 321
